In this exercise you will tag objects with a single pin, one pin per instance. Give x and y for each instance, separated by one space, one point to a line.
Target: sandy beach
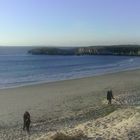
74 106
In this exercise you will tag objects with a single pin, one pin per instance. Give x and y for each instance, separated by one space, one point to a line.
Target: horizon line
68 45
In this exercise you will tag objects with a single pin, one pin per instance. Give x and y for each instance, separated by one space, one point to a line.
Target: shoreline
65 103
65 80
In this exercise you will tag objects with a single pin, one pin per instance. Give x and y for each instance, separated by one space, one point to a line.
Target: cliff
130 50
51 51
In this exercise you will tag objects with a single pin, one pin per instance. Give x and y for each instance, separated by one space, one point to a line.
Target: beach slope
74 105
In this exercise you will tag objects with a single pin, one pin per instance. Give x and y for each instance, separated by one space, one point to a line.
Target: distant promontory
128 50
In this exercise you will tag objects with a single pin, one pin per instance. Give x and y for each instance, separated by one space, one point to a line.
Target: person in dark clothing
26 121
109 96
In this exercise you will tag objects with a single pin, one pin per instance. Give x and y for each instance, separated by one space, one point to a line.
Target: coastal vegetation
129 50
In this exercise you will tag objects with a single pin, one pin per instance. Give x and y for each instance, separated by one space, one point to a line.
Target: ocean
18 68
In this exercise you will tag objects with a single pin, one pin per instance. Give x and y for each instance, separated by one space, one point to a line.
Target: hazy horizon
67 46
69 23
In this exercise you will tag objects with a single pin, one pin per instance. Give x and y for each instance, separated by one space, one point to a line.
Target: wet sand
66 104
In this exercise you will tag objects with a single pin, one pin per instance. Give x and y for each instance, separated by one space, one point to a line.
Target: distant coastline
121 50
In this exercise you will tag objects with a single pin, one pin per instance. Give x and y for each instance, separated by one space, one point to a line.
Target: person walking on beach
109 96
26 121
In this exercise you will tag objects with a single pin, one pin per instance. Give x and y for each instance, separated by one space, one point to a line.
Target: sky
69 22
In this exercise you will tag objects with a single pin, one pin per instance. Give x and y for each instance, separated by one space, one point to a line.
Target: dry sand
74 105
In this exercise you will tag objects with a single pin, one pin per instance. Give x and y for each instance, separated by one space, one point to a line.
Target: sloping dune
122 124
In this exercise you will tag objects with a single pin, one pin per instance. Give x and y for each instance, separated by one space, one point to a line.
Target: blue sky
69 22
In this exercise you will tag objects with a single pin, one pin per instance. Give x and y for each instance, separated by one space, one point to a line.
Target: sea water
18 68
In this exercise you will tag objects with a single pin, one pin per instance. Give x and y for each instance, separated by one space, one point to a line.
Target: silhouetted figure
109 96
26 121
